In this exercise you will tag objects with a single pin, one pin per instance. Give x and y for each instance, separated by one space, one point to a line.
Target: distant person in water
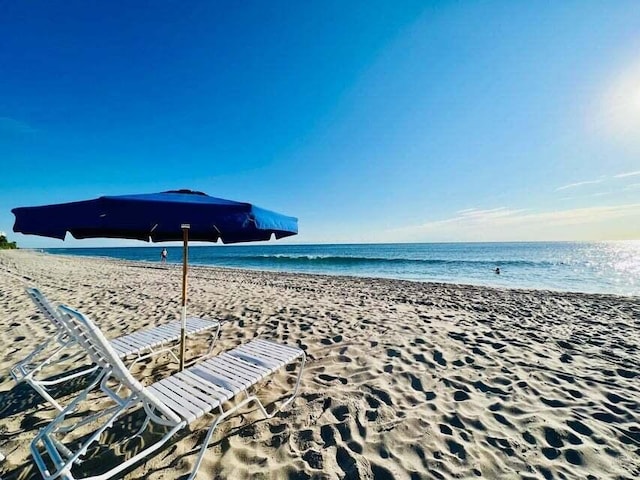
163 255
497 270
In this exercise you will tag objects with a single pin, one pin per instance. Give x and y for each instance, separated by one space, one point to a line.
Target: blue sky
371 121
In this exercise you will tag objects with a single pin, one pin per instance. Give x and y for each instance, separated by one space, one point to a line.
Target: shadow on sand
116 446
22 397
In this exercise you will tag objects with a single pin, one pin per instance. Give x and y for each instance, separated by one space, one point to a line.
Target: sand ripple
404 380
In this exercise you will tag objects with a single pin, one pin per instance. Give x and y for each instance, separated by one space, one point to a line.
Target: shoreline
404 380
194 266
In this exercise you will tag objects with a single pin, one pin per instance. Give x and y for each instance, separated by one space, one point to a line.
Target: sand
404 380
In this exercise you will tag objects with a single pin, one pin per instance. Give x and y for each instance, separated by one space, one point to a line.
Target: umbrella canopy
157 217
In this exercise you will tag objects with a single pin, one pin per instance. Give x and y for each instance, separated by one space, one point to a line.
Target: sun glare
636 97
620 111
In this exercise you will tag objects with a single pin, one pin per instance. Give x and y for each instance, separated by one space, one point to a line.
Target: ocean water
599 267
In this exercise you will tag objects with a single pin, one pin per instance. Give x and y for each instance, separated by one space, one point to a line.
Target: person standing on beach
163 255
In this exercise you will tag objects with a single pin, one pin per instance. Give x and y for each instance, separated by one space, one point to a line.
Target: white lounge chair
174 402
135 347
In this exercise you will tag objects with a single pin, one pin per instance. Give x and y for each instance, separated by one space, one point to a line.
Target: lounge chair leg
224 415
295 390
171 352
142 428
214 339
246 401
138 433
205 444
44 394
40 386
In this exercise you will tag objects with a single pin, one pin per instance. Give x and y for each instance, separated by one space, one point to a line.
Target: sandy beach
404 380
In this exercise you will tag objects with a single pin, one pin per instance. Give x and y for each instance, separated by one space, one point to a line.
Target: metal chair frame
134 347
173 402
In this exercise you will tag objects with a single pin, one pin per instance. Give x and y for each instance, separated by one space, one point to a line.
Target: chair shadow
114 448
103 455
22 397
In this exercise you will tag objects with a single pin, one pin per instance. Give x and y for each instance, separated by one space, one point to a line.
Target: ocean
592 267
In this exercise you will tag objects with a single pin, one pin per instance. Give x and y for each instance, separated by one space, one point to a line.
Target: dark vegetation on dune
6 245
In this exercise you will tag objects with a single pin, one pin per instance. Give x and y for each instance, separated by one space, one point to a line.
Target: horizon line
265 244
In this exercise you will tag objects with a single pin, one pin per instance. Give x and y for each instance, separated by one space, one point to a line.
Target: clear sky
371 121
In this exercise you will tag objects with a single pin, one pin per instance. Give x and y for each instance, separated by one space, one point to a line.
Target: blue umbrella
157 217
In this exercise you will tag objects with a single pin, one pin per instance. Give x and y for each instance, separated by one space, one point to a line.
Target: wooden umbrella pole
185 262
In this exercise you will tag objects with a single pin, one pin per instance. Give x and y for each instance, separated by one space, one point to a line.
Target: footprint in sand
313 459
550 453
340 413
328 436
392 353
346 462
382 395
553 438
331 378
445 429
573 456
439 358
460 396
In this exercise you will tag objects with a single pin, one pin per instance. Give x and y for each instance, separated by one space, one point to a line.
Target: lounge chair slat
134 343
256 348
224 362
289 353
289 349
169 334
269 356
278 353
131 347
216 379
120 349
198 324
253 350
175 406
179 400
249 357
147 338
183 393
169 329
154 336
166 328
210 401
242 364
260 357
216 390
281 356
178 395
163 335
234 370
208 388
234 379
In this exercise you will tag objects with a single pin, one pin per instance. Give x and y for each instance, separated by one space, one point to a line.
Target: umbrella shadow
23 397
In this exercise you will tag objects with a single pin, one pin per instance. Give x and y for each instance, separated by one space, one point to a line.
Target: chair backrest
45 307
84 332
89 336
